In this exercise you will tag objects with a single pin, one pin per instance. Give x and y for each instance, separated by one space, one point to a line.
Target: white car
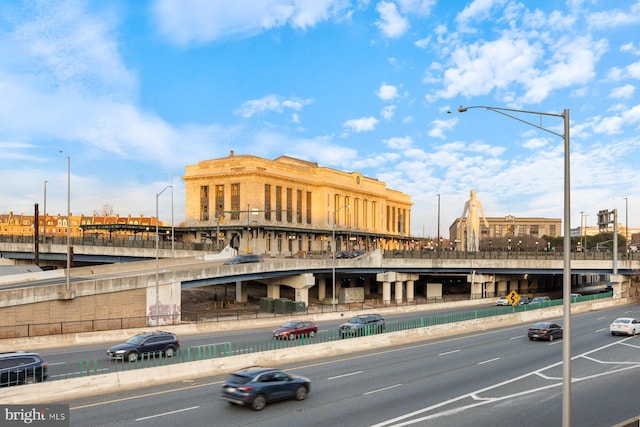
625 326
502 301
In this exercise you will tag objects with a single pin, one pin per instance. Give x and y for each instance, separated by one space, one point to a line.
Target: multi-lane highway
495 378
68 362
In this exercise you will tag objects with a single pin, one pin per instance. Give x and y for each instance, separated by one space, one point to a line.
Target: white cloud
535 143
422 43
391 23
199 21
388 112
630 48
623 92
362 125
270 103
477 10
614 18
398 143
418 7
439 127
387 92
634 70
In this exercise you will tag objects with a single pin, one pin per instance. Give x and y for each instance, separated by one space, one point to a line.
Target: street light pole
438 194
626 225
68 285
333 257
44 230
566 282
158 259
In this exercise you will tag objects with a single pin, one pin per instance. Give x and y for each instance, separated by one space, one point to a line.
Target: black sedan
545 331
256 386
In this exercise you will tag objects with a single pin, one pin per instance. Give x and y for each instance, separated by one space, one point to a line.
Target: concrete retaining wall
65 390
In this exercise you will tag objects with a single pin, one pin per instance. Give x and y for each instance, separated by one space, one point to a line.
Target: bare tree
106 210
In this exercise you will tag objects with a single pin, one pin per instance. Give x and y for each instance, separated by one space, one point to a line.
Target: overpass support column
273 291
322 288
478 281
410 290
303 295
622 286
398 293
367 287
241 292
386 292
501 288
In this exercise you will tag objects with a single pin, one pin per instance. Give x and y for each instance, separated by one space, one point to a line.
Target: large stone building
509 233
289 206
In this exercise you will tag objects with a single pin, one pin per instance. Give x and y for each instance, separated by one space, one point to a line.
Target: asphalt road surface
495 378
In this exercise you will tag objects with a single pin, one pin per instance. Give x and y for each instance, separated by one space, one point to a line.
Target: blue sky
133 91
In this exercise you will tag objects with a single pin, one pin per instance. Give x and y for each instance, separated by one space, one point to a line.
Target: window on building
204 203
299 206
235 201
278 203
289 205
552 230
356 212
534 230
267 202
308 207
219 201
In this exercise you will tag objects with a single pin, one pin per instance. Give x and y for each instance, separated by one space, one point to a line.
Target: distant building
54 226
292 206
510 233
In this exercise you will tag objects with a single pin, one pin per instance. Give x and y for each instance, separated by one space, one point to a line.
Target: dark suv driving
21 368
363 324
146 343
256 386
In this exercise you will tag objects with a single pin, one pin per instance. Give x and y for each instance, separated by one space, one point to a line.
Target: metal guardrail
226 349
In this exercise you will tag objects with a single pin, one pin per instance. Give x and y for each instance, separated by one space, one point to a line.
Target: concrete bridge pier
322 288
241 291
399 279
623 286
301 283
481 284
164 302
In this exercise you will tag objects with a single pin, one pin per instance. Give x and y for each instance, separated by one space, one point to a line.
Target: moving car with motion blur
544 331
625 326
256 386
19 367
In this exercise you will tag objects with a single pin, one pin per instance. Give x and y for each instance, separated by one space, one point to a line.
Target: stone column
322 288
410 290
398 294
241 291
386 292
273 291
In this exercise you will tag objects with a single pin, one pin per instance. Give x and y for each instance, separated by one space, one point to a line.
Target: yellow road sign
513 297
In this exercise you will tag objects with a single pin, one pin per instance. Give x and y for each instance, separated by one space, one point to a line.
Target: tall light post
439 241
566 282
158 259
333 257
44 229
626 225
68 285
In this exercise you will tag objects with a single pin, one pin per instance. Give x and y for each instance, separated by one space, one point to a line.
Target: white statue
473 207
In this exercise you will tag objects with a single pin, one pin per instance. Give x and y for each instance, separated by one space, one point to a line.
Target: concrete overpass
140 290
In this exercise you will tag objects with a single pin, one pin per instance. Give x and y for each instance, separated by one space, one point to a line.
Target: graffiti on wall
167 313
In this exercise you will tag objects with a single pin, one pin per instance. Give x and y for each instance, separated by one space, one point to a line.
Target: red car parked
292 330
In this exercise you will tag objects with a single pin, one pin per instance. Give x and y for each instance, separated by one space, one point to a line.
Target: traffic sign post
513 298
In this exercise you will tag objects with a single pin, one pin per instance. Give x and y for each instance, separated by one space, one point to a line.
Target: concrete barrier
65 390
